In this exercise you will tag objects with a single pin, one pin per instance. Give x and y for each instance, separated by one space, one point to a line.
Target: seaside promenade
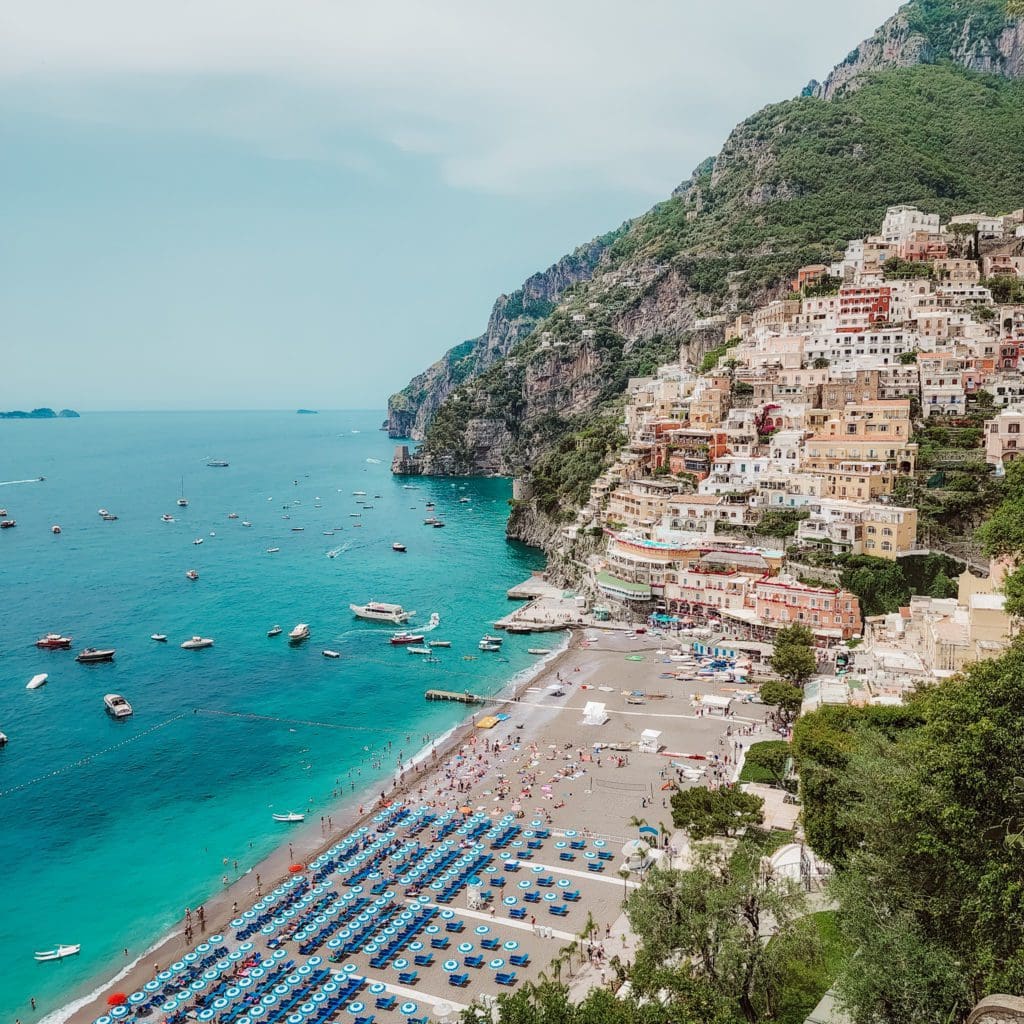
506 854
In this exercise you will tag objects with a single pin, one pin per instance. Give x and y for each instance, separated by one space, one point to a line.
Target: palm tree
624 874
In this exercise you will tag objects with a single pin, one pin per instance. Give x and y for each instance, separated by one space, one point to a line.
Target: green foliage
908 358
712 356
780 522
1006 289
787 697
794 660
879 584
947 24
767 761
895 268
715 812
1003 534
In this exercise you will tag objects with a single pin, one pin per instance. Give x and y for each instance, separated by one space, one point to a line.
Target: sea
111 828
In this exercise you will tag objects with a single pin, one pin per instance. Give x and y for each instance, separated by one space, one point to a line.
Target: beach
540 766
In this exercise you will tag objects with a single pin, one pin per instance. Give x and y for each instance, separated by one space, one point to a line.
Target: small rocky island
308 412
39 414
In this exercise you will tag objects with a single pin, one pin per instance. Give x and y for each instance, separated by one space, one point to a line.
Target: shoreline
307 844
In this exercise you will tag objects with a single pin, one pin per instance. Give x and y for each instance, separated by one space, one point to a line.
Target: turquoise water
107 851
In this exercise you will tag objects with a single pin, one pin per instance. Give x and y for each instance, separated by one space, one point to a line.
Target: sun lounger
519 959
458 980
506 978
385 1002
558 909
517 913
440 943
490 944
474 961
423 959
408 977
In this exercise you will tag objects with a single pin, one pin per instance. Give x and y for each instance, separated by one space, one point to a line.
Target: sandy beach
540 768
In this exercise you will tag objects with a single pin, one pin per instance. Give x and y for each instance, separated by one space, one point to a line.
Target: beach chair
571 897
525 855
534 844
577 844
476 961
604 855
506 978
566 855
408 977
519 959
455 926
423 959
499 882
511 866
490 944
546 881
517 913
596 866
558 909
458 980
532 897
385 1002
439 943
365 1020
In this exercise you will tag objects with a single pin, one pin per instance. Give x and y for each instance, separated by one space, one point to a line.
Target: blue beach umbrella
561 845
294 1018
150 986
219 1003
377 987
550 896
203 947
350 968
245 947
233 992
496 964
279 954
511 945
600 844
319 997
371 947
119 1011
307 1007
236 955
416 946
432 929
316 961
401 963
105 1019
524 884
447 915
281 989
563 883
353 1008
257 1011
164 975
465 947
408 1009
244 982
510 901
171 1004
450 965
269 999
214 939
304 970
571 833
536 869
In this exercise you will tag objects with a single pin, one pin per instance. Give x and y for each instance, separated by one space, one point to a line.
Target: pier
462 698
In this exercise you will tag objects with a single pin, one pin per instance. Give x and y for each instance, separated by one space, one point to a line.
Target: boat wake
340 550
432 623
11 483
373 462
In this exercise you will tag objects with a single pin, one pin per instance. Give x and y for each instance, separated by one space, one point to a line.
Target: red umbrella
116 999
296 868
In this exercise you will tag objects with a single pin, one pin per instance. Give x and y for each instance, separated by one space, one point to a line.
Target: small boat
92 655
198 540
117 706
429 504
489 647
328 533
437 524
54 642
488 639
232 515
182 500
197 643
355 515
55 529
100 512
290 817
397 547
167 517
286 517
57 954
297 529
538 650
331 654
418 650
359 494
36 681
439 643
406 638
192 574
465 501
381 611
7 524
245 522
160 638
275 631
182 503
109 517
3 739
299 633
216 464
272 551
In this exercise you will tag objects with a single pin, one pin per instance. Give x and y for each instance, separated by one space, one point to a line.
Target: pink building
783 601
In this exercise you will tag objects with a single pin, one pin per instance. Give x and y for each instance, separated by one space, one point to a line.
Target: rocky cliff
976 34
512 318
791 184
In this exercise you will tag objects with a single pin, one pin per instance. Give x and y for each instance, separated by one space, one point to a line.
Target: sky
246 204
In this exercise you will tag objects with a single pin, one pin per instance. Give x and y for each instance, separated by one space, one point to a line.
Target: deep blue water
106 851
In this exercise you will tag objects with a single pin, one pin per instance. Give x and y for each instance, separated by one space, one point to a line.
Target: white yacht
299 633
291 816
197 643
36 681
58 953
380 611
117 706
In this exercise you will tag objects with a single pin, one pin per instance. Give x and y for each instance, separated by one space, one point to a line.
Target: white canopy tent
649 742
594 713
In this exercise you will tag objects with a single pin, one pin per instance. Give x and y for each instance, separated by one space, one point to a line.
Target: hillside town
795 442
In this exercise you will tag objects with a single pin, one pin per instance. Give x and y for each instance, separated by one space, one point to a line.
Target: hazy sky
255 204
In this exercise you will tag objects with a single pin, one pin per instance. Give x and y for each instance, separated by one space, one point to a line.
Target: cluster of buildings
808 420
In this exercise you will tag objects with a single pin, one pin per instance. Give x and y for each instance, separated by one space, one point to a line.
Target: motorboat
54 642
381 611
109 517
489 647
197 643
216 464
290 817
488 639
359 494
117 706
36 681
538 650
167 517
418 650
192 574
100 512
355 515
331 654
3 739
245 522
397 546
437 524
297 529
55 530
406 638
7 524
439 643
275 631
299 633
464 500
272 551
198 540
160 638
429 521
93 655
232 515
58 953
429 504
328 533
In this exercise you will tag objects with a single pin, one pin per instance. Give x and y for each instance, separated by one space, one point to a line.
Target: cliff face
976 34
512 318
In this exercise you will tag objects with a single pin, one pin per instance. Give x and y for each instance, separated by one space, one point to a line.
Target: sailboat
182 500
